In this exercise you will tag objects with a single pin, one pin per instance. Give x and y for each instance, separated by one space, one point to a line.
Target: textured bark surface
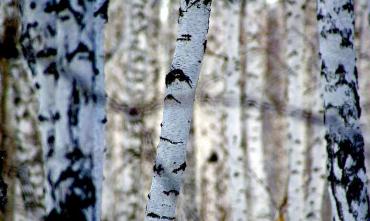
345 143
256 67
180 83
296 144
72 128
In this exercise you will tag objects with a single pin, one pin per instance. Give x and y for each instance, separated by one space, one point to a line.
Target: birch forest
187 110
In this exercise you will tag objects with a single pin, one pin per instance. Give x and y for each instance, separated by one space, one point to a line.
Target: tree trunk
316 153
72 128
181 82
232 96
345 144
296 124
256 57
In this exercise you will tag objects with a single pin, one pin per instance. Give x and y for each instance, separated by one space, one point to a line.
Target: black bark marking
52 70
158 169
81 48
170 141
340 69
73 107
206 2
51 30
348 6
104 120
42 118
184 37
179 75
153 215
47 52
32 5
3 193
103 10
171 97
182 167
175 192
204 46
213 158
56 116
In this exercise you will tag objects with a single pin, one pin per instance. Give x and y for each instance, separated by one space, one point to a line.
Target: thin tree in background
232 111
9 22
345 143
256 67
181 81
316 153
296 127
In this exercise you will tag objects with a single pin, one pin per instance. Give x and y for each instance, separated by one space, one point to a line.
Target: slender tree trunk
296 125
209 121
181 82
345 144
232 96
256 46
30 171
316 131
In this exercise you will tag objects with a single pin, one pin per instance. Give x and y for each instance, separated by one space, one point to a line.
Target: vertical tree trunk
232 96
70 73
39 48
29 153
296 125
256 64
211 161
316 145
181 82
345 144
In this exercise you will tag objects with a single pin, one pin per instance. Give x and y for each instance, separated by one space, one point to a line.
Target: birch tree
256 66
180 82
72 133
209 121
316 153
345 144
296 127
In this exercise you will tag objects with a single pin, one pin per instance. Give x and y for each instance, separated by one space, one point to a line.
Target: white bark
236 158
296 125
345 144
39 48
209 123
256 64
181 82
316 143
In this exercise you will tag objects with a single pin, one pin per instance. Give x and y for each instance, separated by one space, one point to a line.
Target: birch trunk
72 148
256 69
296 125
209 124
345 143
316 131
39 49
181 82
236 160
